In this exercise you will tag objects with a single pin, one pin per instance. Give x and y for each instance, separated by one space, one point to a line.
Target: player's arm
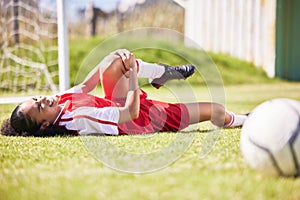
132 105
91 81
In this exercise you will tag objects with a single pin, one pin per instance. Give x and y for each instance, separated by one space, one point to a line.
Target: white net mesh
28 53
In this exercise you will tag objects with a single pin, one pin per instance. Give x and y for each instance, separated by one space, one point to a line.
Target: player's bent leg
114 82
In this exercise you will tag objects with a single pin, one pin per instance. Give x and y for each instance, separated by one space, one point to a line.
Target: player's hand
127 57
128 60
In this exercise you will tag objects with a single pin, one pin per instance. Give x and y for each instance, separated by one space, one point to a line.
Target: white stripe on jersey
89 120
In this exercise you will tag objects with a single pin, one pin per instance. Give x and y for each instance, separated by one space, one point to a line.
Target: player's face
41 109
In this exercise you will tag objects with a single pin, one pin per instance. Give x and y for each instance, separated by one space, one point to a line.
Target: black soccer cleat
173 72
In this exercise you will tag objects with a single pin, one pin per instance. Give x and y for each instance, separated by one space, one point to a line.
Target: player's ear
44 125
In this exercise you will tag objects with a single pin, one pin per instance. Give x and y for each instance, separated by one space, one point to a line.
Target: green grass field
62 168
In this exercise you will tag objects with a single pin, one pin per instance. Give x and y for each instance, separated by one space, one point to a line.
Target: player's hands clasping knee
128 60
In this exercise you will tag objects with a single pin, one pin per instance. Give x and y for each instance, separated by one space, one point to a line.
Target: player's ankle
235 120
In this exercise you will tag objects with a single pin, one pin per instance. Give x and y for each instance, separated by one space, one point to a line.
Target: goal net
29 49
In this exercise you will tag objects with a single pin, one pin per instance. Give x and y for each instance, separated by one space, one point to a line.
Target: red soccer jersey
87 114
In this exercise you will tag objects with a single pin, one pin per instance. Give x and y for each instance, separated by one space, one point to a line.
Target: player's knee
112 64
113 59
217 114
117 64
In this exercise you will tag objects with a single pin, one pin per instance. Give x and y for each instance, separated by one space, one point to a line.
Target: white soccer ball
270 138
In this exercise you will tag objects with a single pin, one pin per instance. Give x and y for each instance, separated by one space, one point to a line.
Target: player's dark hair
8 130
21 124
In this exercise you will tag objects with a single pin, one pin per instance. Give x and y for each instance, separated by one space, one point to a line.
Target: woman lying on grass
125 108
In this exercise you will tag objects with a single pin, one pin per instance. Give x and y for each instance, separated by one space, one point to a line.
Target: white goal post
63 49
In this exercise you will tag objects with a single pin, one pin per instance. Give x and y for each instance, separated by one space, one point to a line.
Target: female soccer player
125 109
